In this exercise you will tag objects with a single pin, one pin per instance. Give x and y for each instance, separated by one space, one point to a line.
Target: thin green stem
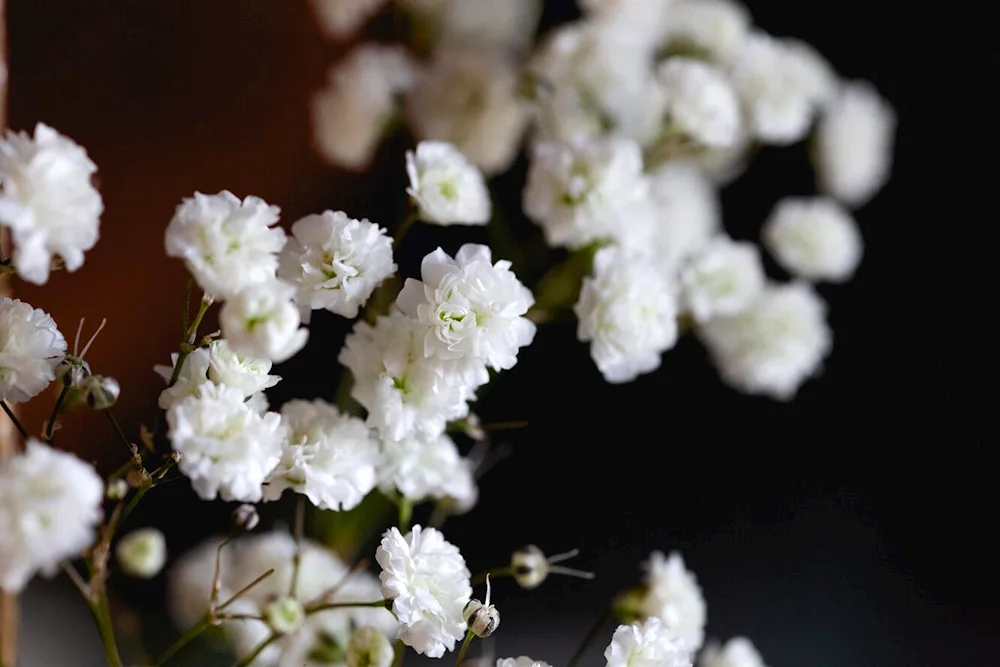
13 418
465 647
203 624
399 651
77 580
249 660
326 606
192 336
591 634
405 514
186 316
300 529
404 228
118 428
102 614
507 571
244 590
50 426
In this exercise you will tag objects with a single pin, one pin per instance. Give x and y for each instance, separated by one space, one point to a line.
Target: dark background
849 527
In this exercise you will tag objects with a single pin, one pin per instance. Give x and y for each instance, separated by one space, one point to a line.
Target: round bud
116 489
285 615
530 566
369 647
101 391
72 371
246 517
142 553
482 619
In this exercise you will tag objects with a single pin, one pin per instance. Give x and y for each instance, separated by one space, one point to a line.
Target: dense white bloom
428 582
369 648
228 245
674 597
431 468
142 553
627 311
328 457
485 24
854 143
336 262
717 28
193 375
448 189
814 238
470 98
50 505
737 652
701 104
773 346
31 348
362 95
647 644
340 18
47 200
646 21
722 278
263 322
688 213
405 393
588 190
226 448
248 374
521 661
474 308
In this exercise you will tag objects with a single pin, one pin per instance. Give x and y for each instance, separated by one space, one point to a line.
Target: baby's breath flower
447 187
31 349
814 238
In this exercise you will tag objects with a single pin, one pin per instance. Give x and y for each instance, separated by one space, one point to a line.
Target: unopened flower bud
531 567
116 489
482 618
369 647
101 391
246 517
142 553
285 615
72 371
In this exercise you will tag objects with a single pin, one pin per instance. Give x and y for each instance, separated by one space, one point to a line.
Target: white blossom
647 644
588 190
854 144
336 262
428 582
420 469
48 201
227 244
701 104
263 322
627 311
717 28
814 238
369 648
31 349
487 24
351 114
142 553
193 374
448 189
674 598
405 393
773 346
737 652
328 457
521 661
646 21
471 99
50 506
248 374
688 213
473 307
722 278
226 448
339 19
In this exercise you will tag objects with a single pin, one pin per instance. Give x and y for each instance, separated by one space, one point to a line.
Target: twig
14 420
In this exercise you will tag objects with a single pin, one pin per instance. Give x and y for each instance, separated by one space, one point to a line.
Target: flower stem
50 426
588 638
300 523
14 419
102 614
326 606
192 336
404 227
399 651
203 624
499 572
118 428
249 660
405 514
465 647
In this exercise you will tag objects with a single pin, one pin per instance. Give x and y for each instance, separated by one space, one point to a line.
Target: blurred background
848 527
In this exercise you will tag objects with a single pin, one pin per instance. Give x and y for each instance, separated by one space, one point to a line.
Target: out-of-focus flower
701 104
814 238
737 652
31 348
419 469
722 278
264 322
142 553
647 644
448 189
675 599
339 19
687 212
715 29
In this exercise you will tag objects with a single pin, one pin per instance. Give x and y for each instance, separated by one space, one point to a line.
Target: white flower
773 346
474 308
687 212
645 20
336 262
854 144
421 469
351 114
263 322
194 373
701 104
722 278
716 27
50 505
328 457
226 448
448 188
521 661
248 374
588 190
647 644
405 393
814 238
471 99
341 18
737 652
674 597
369 648
142 553
487 24
31 348
47 200
428 582
228 245
627 311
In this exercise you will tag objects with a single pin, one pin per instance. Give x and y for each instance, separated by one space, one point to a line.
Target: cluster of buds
99 392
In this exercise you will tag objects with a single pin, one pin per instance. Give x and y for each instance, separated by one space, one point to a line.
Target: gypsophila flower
715 28
263 322
226 448
627 311
421 469
340 18
722 278
142 553
227 244
48 201
405 393
473 307
813 238
31 349
248 374
328 457
448 189
737 652
674 597
647 644
701 104
486 24
336 262
428 582
521 661
688 213
50 506
193 374
773 346
369 647
854 144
